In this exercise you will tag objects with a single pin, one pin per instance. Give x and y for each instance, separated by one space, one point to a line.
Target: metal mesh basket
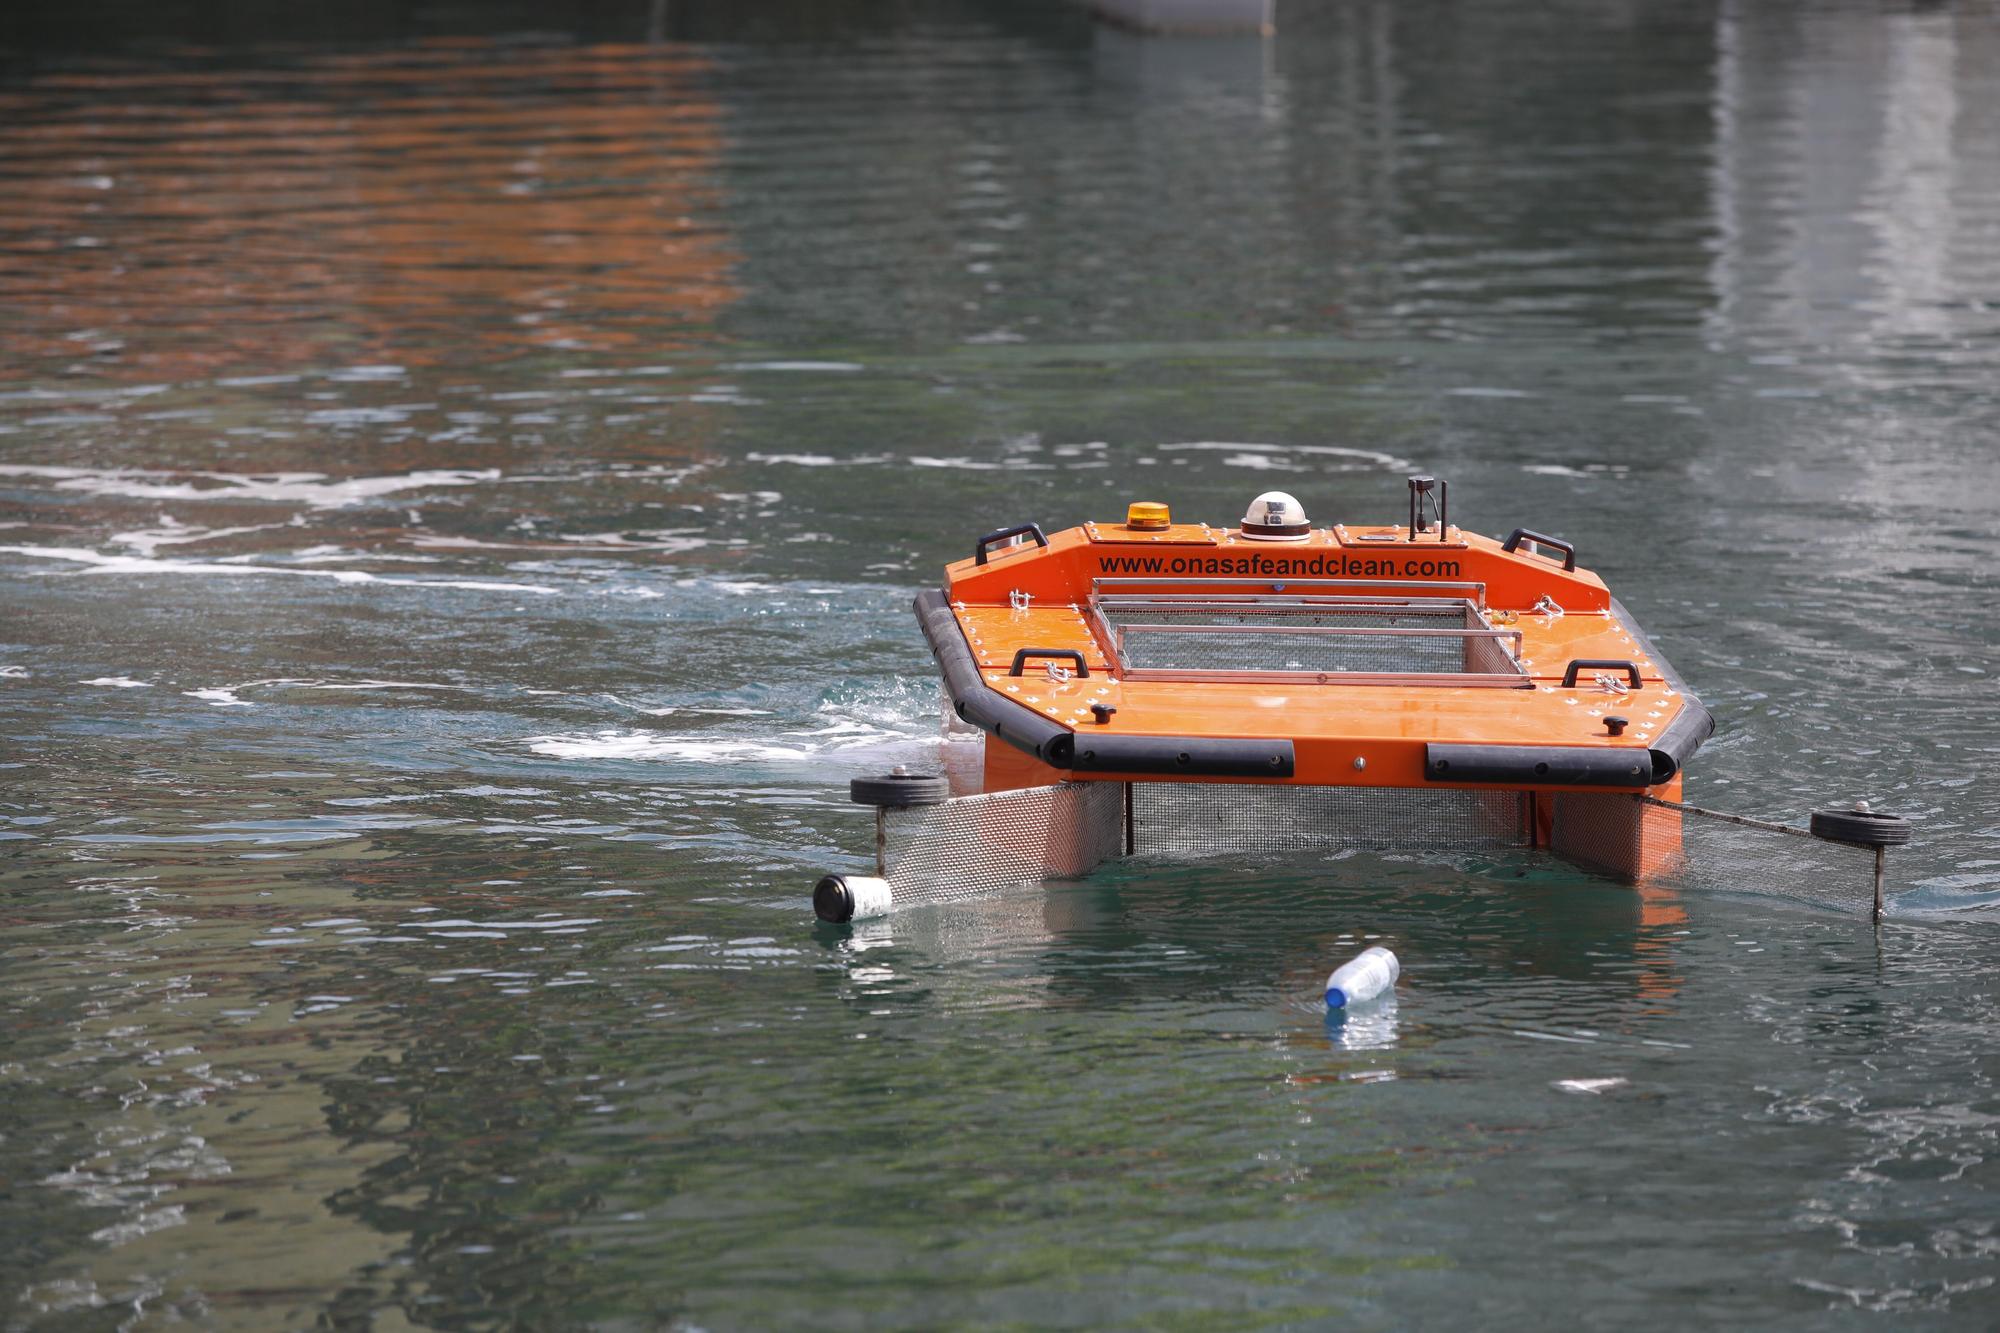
1219 636
1261 647
1485 656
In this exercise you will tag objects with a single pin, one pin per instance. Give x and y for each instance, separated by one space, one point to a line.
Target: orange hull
1353 656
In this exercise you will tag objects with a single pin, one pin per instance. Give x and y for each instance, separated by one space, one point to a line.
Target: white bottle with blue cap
1362 978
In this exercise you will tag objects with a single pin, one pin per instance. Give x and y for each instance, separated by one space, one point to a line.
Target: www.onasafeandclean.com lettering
1334 566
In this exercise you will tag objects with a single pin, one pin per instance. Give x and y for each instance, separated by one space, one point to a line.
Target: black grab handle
1520 535
1002 534
1023 654
1599 664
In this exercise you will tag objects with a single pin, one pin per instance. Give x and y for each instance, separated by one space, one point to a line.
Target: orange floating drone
1160 687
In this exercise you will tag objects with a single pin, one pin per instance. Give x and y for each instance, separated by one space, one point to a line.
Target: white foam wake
313 489
96 562
644 745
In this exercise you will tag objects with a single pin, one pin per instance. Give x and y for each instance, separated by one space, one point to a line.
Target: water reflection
1852 148
1145 931
1369 1027
431 930
447 204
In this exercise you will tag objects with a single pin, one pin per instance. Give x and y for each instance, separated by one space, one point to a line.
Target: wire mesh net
1201 819
1260 648
971 846
1721 857
1445 615
1492 657
1686 848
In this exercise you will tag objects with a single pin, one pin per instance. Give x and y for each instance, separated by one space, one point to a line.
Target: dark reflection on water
445 204
463 475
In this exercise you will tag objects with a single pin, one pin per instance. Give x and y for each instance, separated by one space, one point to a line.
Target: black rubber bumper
977 702
1683 736
1206 758
1673 747
994 713
1539 765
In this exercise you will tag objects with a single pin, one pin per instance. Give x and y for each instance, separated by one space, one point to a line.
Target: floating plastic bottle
839 898
1362 978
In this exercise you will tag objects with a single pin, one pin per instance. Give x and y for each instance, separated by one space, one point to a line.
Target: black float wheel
896 789
1860 828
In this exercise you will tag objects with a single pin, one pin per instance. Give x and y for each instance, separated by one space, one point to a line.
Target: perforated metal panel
1617 834
971 846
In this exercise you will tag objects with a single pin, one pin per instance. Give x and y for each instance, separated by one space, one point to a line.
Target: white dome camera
1276 517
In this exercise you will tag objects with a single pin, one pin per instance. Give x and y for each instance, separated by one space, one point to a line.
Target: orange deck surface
1342 733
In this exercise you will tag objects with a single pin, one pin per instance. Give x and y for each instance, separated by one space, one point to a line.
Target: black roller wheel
898 789
1860 828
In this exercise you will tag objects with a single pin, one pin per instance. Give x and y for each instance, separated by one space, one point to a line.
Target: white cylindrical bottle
839 898
1362 978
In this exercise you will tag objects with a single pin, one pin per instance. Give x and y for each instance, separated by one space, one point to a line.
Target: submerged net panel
1694 851
971 846
976 846
1197 819
1721 857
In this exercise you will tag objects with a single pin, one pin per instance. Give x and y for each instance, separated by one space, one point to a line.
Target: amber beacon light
1148 516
